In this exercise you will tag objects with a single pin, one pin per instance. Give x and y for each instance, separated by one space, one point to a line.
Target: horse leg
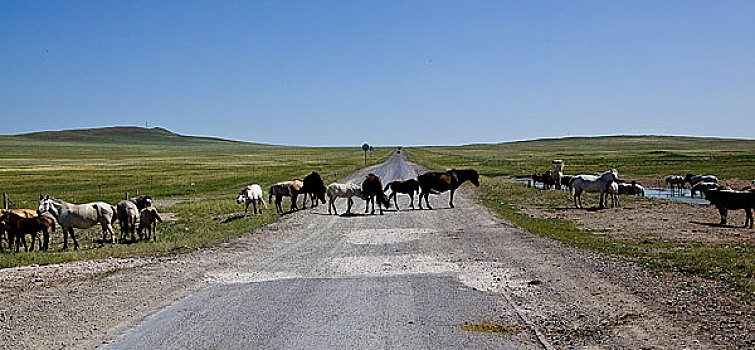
367 204
427 200
65 237
372 201
451 202
723 211
75 242
395 201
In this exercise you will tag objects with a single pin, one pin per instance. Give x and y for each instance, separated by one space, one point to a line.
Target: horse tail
270 195
115 216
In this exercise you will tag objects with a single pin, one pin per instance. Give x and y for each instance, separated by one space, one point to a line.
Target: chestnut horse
402 186
372 187
435 183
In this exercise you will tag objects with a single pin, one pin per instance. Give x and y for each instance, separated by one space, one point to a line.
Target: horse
675 181
702 187
546 178
27 213
372 187
82 216
558 173
614 189
252 194
19 226
314 186
632 188
127 213
726 200
148 219
592 183
142 202
402 186
337 190
287 189
693 179
436 182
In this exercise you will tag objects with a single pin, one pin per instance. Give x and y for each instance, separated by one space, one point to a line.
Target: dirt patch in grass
491 327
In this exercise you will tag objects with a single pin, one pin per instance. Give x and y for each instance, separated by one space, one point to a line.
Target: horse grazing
82 216
402 186
675 182
592 183
632 188
314 187
726 200
436 182
287 189
251 194
701 187
372 187
693 179
19 226
148 219
337 190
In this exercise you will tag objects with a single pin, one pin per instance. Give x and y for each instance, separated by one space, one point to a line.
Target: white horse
82 216
613 191
251 194
592 183
337 190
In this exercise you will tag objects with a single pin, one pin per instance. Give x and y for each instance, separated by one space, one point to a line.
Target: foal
409 187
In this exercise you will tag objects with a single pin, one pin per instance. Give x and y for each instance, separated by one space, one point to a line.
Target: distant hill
122 135
619 142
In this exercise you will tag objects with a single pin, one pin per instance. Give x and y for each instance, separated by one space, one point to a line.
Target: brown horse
435 183
402 186
372 187
314 188
18 227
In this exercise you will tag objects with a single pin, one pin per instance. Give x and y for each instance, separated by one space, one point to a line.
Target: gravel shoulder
576 299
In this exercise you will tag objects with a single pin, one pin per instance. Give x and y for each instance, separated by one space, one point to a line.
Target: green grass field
733 264
105 164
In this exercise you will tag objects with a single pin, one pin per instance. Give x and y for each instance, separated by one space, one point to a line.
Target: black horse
435 183
314 187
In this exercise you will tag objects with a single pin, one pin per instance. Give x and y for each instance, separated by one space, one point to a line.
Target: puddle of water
652 192
666 194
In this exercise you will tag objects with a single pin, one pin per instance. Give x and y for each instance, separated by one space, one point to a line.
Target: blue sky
386 72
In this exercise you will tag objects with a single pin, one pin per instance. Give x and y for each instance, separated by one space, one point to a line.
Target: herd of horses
608 183
16 224
371 191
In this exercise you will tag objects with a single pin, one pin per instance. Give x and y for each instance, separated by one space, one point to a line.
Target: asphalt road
401 280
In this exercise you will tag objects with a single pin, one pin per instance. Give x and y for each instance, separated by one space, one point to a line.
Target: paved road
401 280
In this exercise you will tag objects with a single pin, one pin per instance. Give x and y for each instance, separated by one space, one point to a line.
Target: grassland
732 264
106 164
643 156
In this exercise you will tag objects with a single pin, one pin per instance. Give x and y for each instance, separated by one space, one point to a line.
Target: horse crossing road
401 280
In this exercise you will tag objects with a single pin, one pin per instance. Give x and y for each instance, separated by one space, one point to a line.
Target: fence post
126 195
5 201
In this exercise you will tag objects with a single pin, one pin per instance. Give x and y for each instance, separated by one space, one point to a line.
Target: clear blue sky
386 72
